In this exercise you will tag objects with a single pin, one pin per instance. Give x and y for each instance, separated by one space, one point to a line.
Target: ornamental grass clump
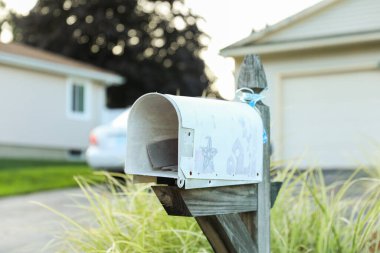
126 217
308 216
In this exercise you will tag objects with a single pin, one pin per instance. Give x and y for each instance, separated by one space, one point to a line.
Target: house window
77 101
78 96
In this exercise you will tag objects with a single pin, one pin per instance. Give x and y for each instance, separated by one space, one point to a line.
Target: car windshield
121 120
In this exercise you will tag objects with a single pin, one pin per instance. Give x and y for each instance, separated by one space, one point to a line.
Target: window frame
70 113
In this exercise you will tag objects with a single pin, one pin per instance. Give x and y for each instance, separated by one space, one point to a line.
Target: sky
226 22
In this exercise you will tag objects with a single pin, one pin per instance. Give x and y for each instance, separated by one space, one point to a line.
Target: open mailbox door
194 142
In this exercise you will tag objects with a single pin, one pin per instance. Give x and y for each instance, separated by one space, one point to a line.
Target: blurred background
70 69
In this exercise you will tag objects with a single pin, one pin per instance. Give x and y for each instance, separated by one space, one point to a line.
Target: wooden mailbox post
233 218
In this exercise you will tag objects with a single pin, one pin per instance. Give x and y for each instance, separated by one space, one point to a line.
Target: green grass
127 218
26 176
309 216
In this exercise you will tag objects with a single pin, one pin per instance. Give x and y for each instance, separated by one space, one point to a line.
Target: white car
108 144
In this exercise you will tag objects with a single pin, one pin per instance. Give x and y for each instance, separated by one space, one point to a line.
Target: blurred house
48 103
322 66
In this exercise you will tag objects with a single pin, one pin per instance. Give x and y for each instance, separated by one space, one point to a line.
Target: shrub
128 217
308 216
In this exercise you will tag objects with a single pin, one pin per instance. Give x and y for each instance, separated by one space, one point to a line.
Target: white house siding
98 102
315 68
33 112
331 121
345 16
32 152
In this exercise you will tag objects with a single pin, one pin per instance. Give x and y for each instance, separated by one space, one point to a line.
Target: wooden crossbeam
211 201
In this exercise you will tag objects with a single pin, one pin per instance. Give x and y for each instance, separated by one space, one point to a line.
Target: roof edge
57 68
288 46
282 24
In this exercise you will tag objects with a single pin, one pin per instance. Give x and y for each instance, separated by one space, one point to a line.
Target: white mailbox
194 142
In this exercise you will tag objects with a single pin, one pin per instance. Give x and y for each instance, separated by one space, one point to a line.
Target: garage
330 120
322 67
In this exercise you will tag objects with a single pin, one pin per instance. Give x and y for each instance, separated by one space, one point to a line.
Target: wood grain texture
262 217
211 201
207 201
227 233
252 76
172 201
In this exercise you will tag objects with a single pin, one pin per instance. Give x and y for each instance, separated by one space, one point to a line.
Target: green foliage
156 45
310 216
307 217
25 176
129 218
2 7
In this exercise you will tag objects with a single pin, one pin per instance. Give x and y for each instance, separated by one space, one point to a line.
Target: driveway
27 227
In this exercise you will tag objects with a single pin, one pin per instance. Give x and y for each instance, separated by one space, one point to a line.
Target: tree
2 7
155 45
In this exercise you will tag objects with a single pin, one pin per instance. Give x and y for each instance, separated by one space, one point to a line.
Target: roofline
294 45
58 68
283 23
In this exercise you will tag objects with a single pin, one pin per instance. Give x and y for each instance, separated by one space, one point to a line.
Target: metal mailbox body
219 142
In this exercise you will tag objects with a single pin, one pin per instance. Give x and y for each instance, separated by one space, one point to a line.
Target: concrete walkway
28 227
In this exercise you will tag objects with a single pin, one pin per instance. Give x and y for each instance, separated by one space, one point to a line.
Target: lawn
25 176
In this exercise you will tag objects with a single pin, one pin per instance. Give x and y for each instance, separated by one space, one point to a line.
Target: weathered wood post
234 216
252 76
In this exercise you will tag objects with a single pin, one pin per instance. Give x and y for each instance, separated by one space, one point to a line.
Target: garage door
332 121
